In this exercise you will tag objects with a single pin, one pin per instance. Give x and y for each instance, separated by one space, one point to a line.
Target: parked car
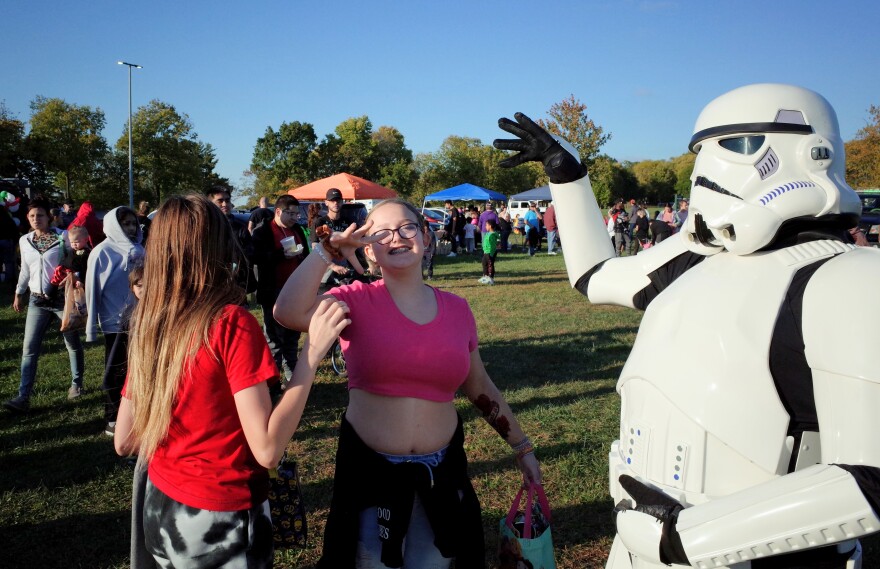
870 222
436 217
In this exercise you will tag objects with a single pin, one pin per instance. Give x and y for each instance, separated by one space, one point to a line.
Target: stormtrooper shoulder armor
840 314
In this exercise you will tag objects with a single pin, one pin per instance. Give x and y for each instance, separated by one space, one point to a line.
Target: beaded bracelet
319 249
523 448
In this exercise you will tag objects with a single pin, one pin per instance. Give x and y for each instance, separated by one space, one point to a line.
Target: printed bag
289 527
524 535
75 313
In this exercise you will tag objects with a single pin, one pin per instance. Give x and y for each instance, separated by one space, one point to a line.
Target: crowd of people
632 230
486 231
207 401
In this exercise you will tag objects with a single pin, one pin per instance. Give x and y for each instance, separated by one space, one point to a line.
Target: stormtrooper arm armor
590 260
819 506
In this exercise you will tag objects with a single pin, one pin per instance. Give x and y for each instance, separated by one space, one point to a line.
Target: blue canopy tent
465 192
542 193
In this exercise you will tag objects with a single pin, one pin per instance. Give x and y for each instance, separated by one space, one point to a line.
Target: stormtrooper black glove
534 144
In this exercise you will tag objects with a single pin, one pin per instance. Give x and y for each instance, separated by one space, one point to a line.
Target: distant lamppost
130 162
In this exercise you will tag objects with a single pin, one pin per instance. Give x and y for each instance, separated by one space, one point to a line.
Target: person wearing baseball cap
333 195
333 219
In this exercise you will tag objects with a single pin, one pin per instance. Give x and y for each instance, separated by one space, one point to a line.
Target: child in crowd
118 359
490 251
469 230
108 294
74 262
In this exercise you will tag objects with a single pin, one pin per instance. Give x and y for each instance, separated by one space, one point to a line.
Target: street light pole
130 161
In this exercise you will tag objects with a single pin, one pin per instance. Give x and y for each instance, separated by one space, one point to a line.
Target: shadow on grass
67 542
556 358
43 431
58 466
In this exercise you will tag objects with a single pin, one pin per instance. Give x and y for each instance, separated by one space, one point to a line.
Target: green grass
65 496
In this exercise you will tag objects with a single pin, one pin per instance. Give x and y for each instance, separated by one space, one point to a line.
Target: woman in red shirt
196 405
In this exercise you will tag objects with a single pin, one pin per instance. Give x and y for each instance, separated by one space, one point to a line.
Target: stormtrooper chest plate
700 414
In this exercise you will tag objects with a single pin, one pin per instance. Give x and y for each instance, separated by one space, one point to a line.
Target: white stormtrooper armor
746 398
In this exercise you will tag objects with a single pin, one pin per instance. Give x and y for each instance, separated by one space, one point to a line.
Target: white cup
291 247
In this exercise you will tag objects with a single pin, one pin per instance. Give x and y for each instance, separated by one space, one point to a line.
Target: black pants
115 370
505 237
489 265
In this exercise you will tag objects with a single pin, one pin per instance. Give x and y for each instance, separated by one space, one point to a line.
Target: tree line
64 154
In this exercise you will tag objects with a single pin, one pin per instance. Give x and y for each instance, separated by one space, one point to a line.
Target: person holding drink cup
279 248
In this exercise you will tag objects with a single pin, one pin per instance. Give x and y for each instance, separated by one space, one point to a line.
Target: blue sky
433 69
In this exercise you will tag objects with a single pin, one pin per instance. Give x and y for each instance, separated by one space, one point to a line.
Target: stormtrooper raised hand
748 407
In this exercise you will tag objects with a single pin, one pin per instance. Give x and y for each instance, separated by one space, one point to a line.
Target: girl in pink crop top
408 349
438 353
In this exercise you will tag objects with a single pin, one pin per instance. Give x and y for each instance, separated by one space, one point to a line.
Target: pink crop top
386 353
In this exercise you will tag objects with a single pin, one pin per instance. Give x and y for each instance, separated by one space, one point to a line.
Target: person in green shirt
490 251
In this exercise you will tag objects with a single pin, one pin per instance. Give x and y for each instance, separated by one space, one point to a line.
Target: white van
520 207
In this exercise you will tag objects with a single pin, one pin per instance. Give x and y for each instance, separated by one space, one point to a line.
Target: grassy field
65 496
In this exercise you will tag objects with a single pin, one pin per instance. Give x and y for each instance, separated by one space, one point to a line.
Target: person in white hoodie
41 251
108 295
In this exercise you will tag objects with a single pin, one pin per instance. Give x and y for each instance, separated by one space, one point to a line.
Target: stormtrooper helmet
766 154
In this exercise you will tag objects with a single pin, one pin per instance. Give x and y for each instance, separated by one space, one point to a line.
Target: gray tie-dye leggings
179 536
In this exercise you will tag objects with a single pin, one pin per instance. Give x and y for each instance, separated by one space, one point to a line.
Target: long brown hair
189 277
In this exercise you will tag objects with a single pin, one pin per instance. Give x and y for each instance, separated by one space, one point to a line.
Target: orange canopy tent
352 188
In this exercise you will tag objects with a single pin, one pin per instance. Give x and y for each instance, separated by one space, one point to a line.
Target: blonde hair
189 277
75 230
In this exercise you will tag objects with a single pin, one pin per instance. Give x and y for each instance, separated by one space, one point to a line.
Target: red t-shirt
285 267
206 462
386 353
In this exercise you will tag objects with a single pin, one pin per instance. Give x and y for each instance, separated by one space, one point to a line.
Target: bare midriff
401 425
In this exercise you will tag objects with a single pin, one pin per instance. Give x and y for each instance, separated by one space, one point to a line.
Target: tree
210 178
168 158
611 179
657 179
357 152
863 154
67 139
683 167
395 161
462 159
108 186
284 157
569 119
11 143
293 157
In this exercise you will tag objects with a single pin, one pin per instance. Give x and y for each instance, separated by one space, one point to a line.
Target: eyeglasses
406 231
290 211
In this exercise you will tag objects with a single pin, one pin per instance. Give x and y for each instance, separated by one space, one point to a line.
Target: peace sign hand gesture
350 240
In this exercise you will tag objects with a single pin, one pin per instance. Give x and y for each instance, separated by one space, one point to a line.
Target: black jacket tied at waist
365 479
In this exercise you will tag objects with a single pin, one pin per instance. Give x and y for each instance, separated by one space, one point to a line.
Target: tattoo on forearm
491 412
